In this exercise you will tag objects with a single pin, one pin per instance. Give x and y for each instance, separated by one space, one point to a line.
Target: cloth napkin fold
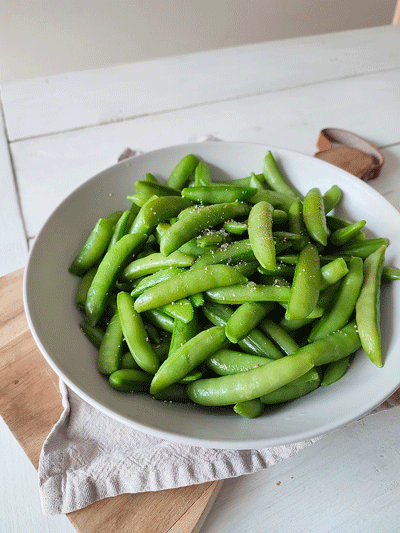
89 456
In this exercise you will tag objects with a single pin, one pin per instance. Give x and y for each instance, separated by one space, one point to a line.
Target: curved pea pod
135 334
94 248
181 173
343 235
314 216
202 175
173 393
245 318
155 262
368 306
363 248
120 228
391 273
106 275
180 310
130 380
128 362
188 357
248 292
279 336
160 319
275 178
156 210
249 409
188 283
306 283
276 199
231 254
154 279
218 194
235 388
335 371
83 288
335 346
150 188
182 332
94 334
110 351
225 362
296 389
235 227
331 198
213 239
194 223
332 272
344 302
197 300
296 224
260 234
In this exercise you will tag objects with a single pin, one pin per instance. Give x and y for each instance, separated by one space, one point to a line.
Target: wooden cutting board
30 403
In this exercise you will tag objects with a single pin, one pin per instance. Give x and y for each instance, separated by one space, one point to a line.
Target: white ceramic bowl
49 292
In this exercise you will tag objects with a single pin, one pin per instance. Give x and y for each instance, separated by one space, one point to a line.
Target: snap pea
368 306
281 269
217 194
187 283
276 199
150 188
279 336
245 318
197 300
235 388
344 302
188 357
212 239
160 319
155 262
94 334
83 288
182 332
226 361
391 273
193 248
94 248
332 272
249 409
135 334
331 198
248 292
155 279
314 216
151 177
130 380
232 254
181 173
173 393
364 248
110 351
335 371
194 223
128 362
202 174
260 234
156 210
343 235
296 389
335 223
235 227
296 224
275 178
306 283
181 310
279 216
120 228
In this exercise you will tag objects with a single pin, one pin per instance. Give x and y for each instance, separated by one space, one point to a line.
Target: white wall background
44 37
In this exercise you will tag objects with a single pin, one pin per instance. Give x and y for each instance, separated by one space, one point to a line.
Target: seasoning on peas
217 305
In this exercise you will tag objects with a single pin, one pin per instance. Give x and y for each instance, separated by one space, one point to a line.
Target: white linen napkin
89 456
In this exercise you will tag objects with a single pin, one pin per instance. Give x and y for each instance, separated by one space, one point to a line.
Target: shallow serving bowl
49 292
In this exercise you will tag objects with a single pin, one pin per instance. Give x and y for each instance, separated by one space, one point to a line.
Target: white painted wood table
59 131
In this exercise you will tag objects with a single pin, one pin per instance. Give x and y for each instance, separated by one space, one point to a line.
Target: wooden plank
30 414
13 241
76 100
48 168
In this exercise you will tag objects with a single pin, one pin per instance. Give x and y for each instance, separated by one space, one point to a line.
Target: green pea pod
275 178
106 275
213 239
344 302
279 336
231 254
245 319
130 380
368 306
276 199
364 248
296 389
94 248
260 234
202 175
160 319
279 216
155 262
188 357
217 194
181 173
94 334
314 216
150 188
235 388
296 224
173 393
225 362
335 223
154 279
196 222
182 332
181 310
197 300
188 283
391 273
151 177
249 409
248 292
128 362
331 198
235 227
120 228
83 288
156 210
135 334
332 272
110 351
335 371
343 235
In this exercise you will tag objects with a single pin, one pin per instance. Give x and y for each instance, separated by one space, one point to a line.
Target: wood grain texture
80 99
30 404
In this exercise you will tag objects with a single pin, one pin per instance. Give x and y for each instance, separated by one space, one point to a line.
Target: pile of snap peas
240 293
